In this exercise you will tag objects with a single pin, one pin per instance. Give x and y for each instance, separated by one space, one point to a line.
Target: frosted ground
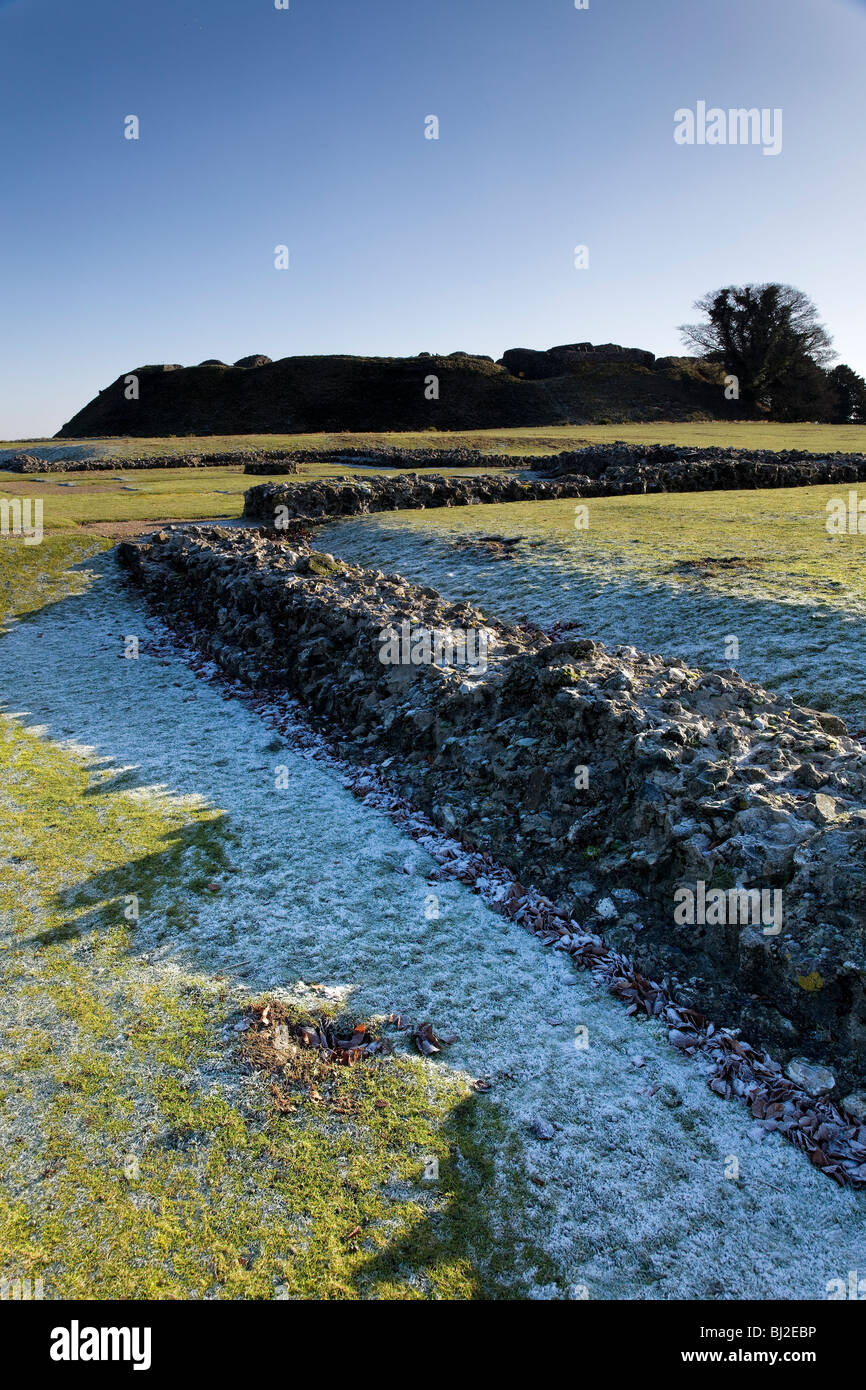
634 1201
55 452
670 573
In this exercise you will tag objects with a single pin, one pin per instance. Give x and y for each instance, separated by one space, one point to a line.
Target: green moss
723 878
317 562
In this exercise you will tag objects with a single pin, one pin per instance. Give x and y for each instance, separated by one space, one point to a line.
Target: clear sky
306 127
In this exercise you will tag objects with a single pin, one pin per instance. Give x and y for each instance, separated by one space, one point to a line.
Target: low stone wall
351 496
404 458
612 779
276 461
674 468
612 471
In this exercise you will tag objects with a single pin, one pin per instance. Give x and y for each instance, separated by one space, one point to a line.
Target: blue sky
305 127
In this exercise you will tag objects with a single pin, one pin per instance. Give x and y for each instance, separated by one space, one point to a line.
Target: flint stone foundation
611 471
693 776
277 460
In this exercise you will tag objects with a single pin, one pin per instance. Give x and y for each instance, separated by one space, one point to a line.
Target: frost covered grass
676 573
142 1162
148 1162
600 1171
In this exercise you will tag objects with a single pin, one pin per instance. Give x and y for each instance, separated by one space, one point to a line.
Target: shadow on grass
436 1152
145 878
468 1244
445 1237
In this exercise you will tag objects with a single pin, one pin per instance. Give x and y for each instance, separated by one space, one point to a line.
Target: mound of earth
575 384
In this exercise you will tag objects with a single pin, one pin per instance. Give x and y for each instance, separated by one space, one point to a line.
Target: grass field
112 503
542 439
108 504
